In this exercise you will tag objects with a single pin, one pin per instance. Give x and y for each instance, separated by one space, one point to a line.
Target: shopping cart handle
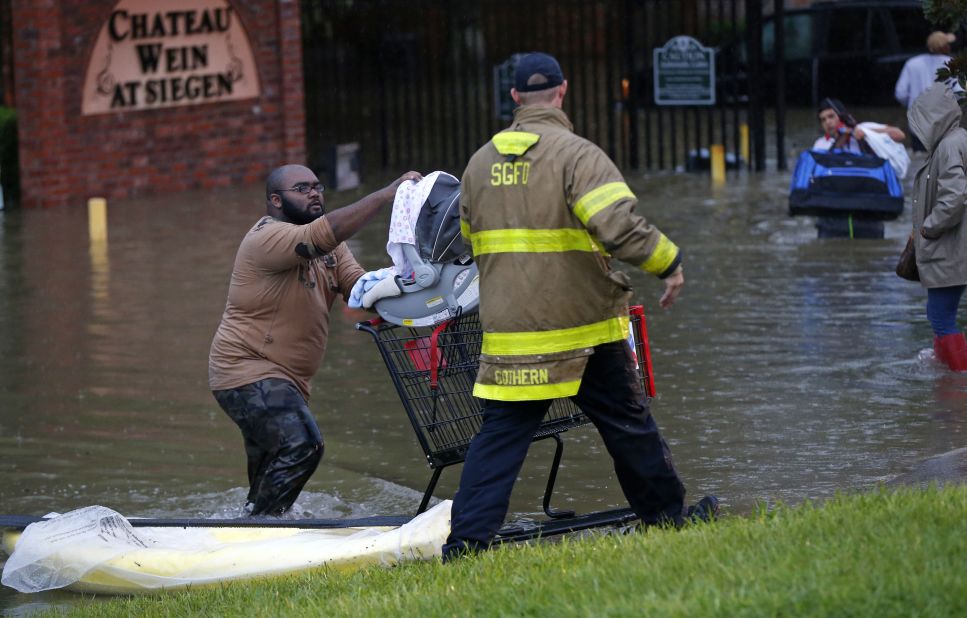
369 324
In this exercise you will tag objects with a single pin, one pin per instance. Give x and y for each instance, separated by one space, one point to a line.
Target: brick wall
66 157
6 56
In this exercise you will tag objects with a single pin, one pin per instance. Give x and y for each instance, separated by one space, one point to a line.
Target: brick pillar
36 26
66 157
6 54
293 95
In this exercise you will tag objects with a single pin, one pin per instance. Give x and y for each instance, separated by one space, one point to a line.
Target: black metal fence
413 81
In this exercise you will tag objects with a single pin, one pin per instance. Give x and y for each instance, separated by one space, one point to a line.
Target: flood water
791 367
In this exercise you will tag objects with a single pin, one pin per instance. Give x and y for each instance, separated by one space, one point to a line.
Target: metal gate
412 81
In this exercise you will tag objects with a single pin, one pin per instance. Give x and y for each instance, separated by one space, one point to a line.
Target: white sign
684 73
152 54
345 174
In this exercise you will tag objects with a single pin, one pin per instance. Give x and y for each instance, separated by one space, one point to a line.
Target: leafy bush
950 15
9 162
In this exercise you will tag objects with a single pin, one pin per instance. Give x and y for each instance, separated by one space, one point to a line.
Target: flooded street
791 367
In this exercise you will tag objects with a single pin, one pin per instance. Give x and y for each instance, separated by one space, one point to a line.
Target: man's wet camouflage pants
282 441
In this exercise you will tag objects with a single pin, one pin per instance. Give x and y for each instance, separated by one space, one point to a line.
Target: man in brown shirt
288 271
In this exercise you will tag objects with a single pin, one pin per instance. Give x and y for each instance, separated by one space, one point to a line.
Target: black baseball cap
541 65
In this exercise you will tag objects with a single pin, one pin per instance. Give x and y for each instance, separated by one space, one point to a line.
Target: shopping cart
433 370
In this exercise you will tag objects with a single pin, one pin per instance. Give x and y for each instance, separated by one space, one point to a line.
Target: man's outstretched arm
350 219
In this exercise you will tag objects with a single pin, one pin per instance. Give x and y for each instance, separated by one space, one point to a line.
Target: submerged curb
950 467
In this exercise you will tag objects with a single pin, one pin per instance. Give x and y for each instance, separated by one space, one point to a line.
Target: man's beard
294 214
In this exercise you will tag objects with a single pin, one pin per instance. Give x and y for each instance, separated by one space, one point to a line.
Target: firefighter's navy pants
282 441
611 395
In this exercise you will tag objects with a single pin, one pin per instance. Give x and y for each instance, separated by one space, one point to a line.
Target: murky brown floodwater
791 368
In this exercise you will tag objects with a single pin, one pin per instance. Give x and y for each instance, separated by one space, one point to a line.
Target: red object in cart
434 369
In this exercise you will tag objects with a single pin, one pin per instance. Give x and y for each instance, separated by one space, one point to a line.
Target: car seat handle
424 275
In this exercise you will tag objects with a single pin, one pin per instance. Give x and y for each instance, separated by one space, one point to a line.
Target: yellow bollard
97 219
718 162
744 141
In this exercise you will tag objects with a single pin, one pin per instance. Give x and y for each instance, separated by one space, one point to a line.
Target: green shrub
9 161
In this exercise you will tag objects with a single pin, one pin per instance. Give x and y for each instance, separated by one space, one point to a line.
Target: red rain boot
953 351
938 350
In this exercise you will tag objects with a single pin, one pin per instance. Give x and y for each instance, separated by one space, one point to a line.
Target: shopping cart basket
433 370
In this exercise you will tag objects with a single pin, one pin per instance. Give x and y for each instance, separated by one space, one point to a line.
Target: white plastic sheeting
95 549
885 148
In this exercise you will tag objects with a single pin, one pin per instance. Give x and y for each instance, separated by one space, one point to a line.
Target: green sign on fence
684 73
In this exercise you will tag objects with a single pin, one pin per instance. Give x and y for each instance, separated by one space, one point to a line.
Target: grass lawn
884 553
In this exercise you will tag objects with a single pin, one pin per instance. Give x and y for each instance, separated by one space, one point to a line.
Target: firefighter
544 211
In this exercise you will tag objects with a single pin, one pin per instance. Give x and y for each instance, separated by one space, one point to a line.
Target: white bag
885 148
94 549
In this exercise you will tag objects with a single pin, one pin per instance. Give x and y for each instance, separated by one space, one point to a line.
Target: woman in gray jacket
939 200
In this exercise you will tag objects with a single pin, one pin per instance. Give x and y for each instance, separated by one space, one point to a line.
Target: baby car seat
445 281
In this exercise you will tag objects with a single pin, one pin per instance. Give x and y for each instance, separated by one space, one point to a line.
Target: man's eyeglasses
305 188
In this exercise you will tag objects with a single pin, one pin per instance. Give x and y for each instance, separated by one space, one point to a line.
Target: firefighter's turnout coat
544 210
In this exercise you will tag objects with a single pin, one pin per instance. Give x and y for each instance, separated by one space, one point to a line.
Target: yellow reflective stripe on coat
531 241
662 257
595 200
464 229
526 393
551 341
514 142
